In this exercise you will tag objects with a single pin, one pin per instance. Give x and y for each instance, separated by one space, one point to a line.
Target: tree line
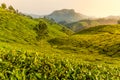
10 8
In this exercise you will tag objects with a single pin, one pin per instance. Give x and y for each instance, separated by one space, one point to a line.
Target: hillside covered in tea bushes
41 49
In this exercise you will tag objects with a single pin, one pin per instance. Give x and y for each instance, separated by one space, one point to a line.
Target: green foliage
28 66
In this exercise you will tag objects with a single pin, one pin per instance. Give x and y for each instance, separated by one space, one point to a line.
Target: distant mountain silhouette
66 15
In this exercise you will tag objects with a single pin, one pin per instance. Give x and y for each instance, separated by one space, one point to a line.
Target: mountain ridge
67 15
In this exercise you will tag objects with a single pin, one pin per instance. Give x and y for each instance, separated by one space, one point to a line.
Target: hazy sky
96 8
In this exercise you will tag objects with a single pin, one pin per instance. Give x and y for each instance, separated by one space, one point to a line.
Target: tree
41 29
11 8
3 5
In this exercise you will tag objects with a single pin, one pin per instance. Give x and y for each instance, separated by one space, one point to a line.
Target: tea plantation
40 49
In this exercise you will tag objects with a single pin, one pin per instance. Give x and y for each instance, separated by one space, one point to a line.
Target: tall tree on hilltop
3 5
11 8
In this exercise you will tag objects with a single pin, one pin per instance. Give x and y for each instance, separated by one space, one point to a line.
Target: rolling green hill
83 24
40 49
104 39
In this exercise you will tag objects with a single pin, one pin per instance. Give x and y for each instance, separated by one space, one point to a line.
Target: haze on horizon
97 8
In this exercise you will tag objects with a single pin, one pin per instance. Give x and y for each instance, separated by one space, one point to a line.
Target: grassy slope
62 57
15 28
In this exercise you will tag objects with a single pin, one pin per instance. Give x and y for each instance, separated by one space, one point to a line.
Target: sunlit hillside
41 49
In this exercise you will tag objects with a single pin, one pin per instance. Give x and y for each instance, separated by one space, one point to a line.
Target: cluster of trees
10 8
41 29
